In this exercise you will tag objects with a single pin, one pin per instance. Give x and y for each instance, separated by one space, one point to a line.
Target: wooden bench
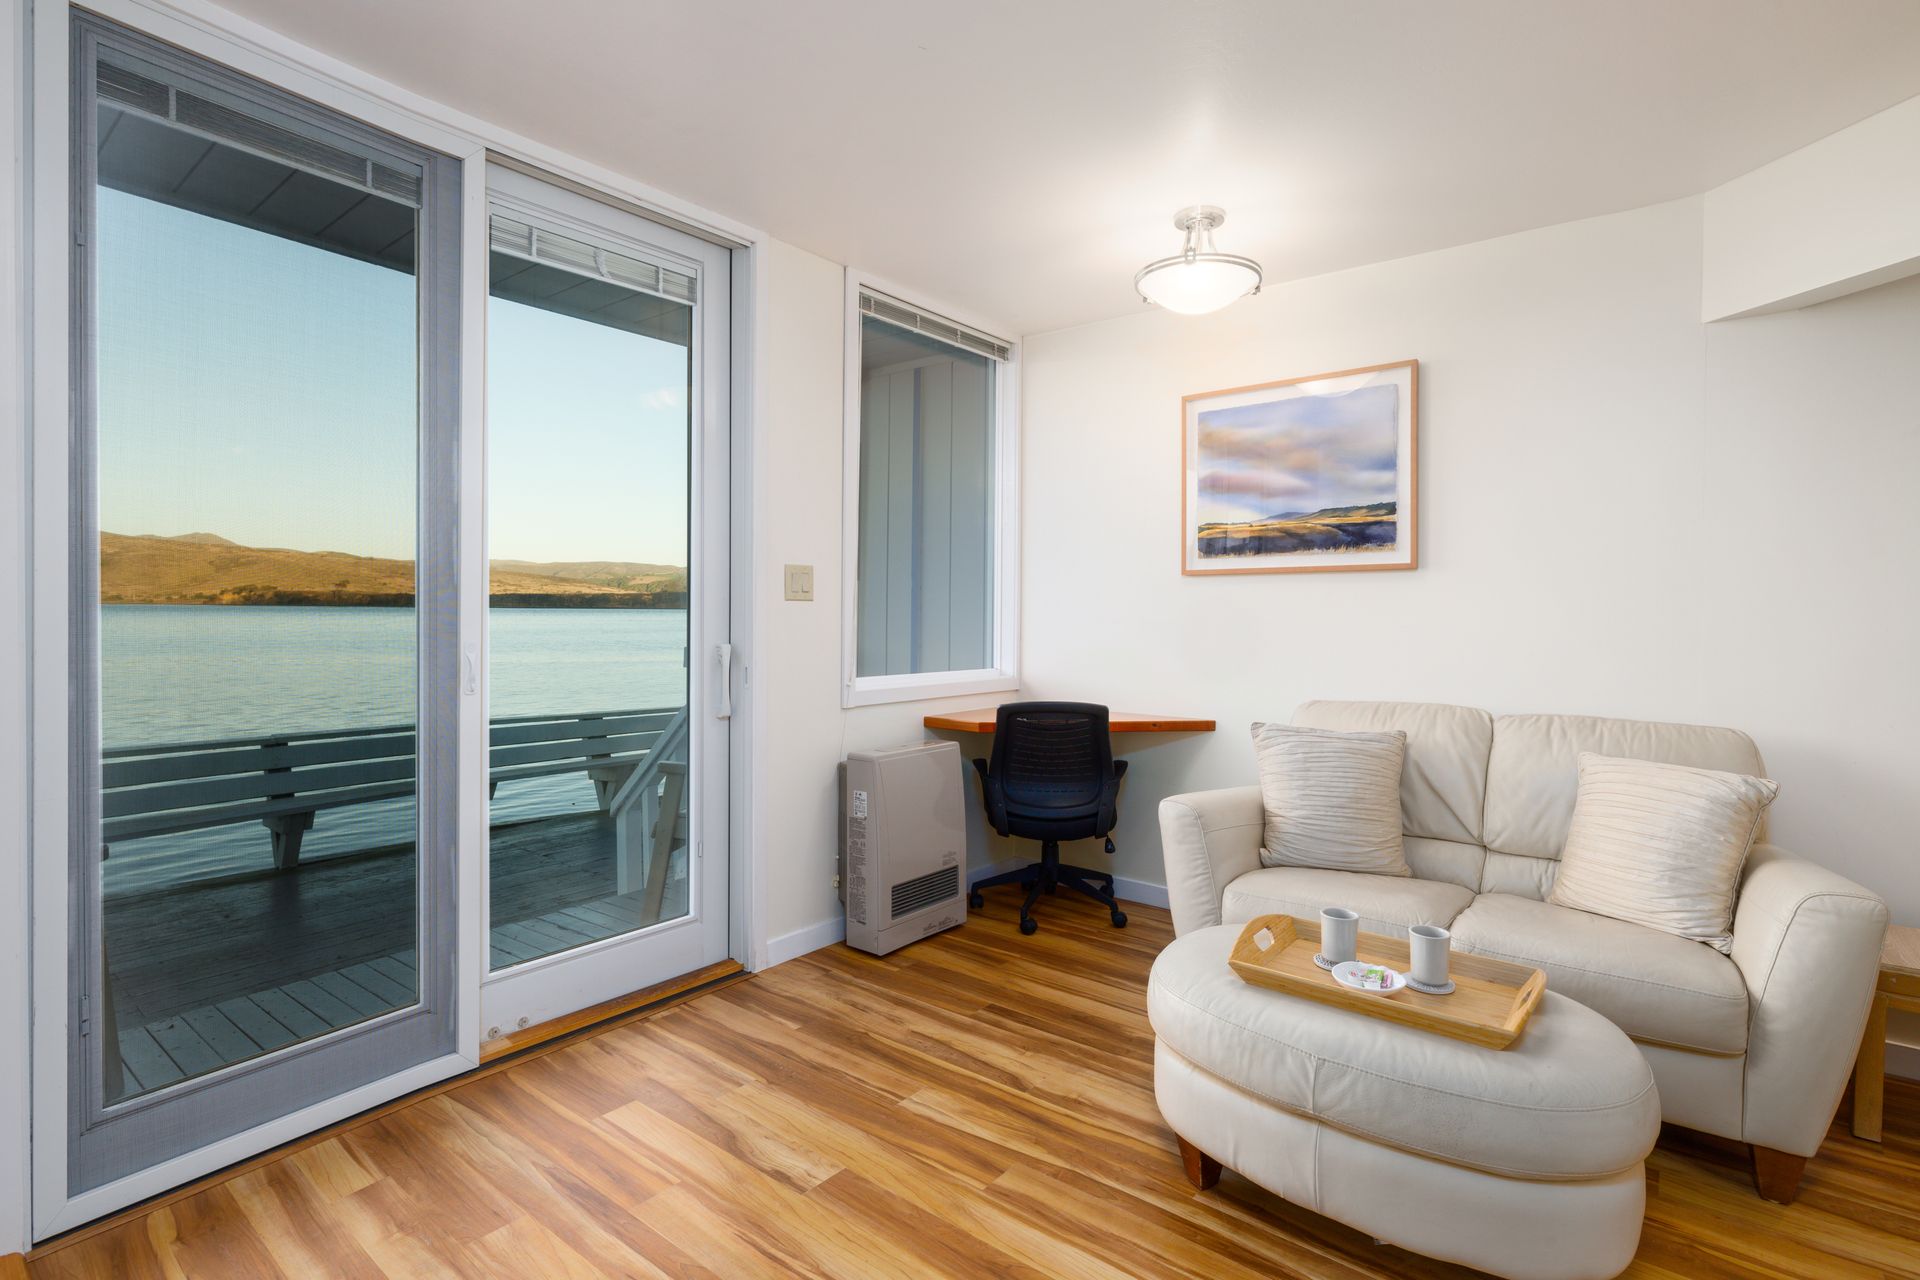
284 782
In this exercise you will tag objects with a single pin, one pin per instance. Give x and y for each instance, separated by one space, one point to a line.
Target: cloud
661 398
1301 453
1260 483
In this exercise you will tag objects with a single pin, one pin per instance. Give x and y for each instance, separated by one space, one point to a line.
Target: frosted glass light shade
1195 287
1199 278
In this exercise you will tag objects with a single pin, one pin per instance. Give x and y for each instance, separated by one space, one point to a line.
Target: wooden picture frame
1317 474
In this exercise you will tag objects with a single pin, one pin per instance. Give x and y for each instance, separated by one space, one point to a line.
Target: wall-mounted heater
903 844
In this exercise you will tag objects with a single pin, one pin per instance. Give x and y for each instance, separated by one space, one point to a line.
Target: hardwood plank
977 1104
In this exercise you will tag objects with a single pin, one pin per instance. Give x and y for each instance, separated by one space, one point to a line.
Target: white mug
1429 945
1339 934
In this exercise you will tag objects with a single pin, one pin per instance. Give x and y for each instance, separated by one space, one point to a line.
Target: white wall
1624 512
806 733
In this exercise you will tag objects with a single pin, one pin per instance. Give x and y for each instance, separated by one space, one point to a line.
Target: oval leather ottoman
1525 1162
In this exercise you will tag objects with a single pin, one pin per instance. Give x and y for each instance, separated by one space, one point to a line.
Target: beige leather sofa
1755 1046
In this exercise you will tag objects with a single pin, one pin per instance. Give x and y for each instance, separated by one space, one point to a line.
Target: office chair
1052 778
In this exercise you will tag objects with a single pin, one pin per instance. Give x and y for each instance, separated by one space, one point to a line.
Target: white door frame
567 981
39 480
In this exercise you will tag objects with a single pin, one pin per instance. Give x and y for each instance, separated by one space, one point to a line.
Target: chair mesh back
1052 755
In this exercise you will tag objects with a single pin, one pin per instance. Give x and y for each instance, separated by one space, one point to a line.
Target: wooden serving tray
1490 1003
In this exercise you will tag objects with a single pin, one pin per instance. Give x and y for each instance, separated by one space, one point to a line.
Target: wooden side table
1899 989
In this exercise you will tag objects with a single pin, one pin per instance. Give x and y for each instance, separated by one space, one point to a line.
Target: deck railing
285 781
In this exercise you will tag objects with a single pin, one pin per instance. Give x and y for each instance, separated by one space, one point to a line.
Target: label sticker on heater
859 804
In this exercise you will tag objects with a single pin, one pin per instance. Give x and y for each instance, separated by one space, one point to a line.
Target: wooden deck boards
197 946
978 1104
206 976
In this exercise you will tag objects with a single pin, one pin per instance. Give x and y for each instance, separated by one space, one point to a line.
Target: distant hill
205 568
1371 509
619 575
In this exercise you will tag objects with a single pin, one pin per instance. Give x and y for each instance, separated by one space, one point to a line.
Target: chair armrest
992 797
1209 839
1807 941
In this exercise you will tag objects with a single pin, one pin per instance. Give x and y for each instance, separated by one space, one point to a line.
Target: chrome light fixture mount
1199 278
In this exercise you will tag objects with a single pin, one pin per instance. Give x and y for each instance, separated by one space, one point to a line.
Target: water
185 673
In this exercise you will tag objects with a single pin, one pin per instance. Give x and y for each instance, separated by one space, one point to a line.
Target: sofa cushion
1449 860
1386 904
1653 985
1444 781
1570 1099
1660 845
1331 799
1534 770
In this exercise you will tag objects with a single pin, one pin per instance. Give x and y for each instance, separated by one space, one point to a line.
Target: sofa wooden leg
1202 1169
1776 1175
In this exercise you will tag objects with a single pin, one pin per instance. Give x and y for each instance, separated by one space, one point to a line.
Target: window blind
172 98
895 312
521 238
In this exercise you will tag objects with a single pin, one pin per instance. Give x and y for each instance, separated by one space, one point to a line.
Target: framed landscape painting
1305 475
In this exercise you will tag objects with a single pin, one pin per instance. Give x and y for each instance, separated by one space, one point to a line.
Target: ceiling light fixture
1199 278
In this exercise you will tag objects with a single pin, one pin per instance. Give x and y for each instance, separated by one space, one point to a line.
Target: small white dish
1375 979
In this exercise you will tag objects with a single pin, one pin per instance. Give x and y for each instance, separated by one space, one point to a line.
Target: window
930 507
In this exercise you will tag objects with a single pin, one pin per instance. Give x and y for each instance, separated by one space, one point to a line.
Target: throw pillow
1660 845
1332 799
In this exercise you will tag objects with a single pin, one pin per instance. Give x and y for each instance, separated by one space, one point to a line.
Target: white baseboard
791 946
1144 892
1903 1060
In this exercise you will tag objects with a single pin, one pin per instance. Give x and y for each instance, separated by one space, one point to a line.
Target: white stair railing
646 811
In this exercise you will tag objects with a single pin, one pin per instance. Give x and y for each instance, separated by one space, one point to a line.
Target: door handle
724 652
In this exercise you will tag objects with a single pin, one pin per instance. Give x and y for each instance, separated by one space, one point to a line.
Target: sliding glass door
282 792
265 604
607 542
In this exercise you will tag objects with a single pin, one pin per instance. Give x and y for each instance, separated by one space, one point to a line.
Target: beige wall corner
1833 218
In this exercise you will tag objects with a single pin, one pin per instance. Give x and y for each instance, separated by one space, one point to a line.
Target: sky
265 390
1299 454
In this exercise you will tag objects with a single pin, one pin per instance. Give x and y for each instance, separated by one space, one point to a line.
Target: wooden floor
978 1104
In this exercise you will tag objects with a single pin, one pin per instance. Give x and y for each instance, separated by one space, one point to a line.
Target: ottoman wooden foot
1202 1169
1776 1175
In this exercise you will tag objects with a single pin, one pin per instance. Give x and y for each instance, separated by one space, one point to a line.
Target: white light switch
799 582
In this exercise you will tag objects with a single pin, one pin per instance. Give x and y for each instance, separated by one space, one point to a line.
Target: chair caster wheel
975 901
1119 919
1029 925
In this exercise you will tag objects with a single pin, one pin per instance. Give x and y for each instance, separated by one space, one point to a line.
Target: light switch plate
799 582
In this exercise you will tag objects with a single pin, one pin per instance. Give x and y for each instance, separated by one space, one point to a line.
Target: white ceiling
1021 158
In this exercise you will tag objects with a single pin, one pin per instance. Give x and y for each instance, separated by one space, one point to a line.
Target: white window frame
1003 674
